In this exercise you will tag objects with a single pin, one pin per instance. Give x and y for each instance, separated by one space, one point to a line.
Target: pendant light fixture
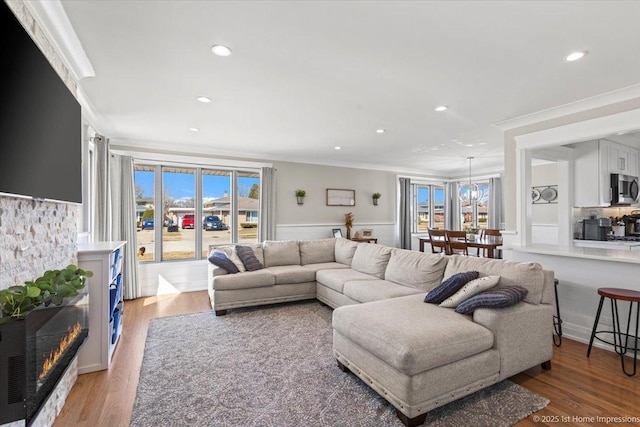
470 193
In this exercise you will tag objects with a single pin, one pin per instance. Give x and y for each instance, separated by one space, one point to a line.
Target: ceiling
305 76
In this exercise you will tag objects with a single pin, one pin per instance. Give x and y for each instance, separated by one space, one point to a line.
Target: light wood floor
577 387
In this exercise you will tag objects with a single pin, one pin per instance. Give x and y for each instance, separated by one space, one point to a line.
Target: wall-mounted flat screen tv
40 121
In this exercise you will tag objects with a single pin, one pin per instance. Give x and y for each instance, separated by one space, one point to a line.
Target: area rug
273 366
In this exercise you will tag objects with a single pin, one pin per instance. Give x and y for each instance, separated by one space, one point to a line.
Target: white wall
544 216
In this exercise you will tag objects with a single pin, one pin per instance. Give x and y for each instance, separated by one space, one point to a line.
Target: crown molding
597 101
55 24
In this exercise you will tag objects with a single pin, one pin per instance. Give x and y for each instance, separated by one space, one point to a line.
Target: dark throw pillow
495 298
221 260
450 286
248 258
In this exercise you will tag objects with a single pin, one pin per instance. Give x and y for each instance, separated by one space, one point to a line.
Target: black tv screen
40 121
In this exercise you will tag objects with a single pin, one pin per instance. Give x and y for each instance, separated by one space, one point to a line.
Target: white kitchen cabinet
622 159
106 305
592 182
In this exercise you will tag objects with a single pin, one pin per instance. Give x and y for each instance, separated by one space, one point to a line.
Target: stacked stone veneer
37 236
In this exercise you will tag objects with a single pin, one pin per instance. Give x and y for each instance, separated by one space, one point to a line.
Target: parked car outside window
188 221
213 222
147 224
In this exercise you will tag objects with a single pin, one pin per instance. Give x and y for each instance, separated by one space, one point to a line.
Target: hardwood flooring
578 388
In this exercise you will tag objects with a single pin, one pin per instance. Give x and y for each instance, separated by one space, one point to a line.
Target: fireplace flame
65 342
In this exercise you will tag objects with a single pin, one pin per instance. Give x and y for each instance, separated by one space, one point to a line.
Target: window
428 209
197 208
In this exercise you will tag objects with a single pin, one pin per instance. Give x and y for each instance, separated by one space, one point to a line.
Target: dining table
490 243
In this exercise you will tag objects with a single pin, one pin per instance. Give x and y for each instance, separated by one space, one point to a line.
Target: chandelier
468 193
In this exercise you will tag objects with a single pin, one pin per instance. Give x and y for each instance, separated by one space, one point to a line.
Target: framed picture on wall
339 197
366 232
337 232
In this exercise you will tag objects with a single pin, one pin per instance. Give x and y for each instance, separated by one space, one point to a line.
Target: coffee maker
632 223
596 229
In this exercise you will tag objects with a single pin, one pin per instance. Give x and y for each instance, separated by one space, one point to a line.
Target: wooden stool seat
615 295
620 294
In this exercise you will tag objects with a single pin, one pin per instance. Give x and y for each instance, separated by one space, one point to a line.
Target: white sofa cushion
528 275
335 279
371 259
286 252
416 269
325 266
289 274
317 251
250 279
230 252
375 290
344 251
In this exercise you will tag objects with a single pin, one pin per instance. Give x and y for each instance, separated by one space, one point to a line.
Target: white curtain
452 206
405 213
123 225
102 213
496 206
267 224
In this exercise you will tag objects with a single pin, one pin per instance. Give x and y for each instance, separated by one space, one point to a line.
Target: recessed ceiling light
221 50
441 108
337 148
194 129
380 131
204 99
574 56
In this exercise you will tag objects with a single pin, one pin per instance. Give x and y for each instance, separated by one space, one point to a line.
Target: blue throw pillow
221 260
248 258
450 286
495 298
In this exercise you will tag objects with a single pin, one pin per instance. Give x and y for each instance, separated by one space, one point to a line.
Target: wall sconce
300 195
376 197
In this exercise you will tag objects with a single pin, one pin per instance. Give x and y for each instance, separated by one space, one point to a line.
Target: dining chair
486 232
457 242
438 241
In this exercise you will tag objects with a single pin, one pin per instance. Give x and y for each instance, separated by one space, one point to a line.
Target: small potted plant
300 194
52 287
376 197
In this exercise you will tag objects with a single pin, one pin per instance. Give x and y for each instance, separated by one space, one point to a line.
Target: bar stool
615 294
557 321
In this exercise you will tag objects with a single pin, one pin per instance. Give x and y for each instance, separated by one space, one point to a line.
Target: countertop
612 255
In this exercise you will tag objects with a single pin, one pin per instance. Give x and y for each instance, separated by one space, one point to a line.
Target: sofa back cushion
344 251
317 251
286 252
416 269
371 259
528 275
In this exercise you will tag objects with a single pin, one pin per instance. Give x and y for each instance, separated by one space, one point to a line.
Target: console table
366 240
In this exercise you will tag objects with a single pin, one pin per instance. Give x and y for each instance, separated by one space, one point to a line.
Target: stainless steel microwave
624 189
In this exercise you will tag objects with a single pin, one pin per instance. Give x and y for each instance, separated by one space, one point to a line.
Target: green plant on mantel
52 287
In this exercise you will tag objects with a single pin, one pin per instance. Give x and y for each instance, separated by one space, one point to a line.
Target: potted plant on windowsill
300 195
376 197
52 287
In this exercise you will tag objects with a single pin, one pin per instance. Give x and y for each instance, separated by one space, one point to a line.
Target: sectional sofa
417 356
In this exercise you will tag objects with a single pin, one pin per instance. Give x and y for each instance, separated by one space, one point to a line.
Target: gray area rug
273 366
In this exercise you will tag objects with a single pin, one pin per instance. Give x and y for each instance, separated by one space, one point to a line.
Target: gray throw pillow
450 286
248 258
494 298
221 260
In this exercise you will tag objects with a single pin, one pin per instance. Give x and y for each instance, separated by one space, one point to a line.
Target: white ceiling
307 76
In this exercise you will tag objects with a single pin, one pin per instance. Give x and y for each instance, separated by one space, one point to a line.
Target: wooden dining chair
484 233
457 242
438 241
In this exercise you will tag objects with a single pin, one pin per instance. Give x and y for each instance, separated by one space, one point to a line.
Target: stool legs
557 320
595 326
620 347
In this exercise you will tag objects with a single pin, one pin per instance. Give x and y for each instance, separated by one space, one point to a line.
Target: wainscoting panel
386 233
546 234
172 277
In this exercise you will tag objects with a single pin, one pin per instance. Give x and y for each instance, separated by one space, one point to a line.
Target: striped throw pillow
221 260
472 288
248 258
494 298
450 286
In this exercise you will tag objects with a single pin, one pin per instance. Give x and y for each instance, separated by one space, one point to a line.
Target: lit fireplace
55 354
36 352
